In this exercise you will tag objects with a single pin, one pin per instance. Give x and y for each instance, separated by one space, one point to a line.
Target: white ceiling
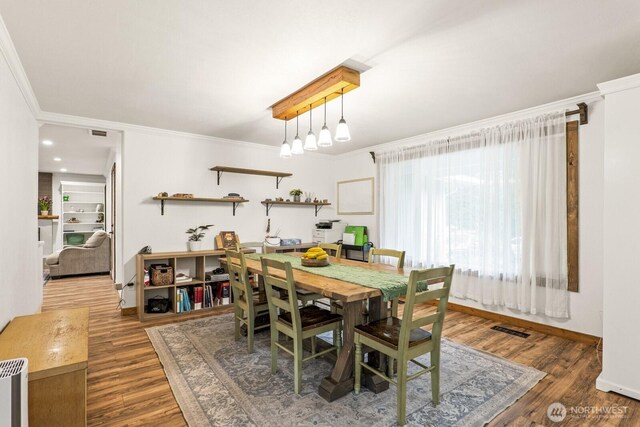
80 152
214 67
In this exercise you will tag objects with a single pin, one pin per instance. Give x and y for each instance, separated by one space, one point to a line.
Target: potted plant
197 233
45 204
296 192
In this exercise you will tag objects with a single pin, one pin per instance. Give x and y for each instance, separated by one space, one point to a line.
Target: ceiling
79 151
215 67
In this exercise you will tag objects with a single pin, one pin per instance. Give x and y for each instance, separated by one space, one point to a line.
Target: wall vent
98 132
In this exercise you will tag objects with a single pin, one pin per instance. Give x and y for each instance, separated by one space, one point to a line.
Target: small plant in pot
196 235
296 192
45 204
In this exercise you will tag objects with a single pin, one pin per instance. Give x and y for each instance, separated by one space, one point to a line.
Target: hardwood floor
127 385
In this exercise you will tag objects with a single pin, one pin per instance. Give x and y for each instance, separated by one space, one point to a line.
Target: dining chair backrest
281 291
433 277
239 276
373 252
335 247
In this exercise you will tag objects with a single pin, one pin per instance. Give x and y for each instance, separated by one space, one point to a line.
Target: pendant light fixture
296 146
310 141
342 131
324 139
285 149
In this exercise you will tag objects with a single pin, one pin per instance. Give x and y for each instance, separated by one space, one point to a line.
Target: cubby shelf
268 204
235 201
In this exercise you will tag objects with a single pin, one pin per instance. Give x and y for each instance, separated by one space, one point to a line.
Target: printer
326 224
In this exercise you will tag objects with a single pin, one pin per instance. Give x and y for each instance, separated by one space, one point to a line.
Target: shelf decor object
220 169
268 204
235 201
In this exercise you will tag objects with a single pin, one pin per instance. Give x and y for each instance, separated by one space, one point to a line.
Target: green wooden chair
404 340
247 304
297 323
334 247
392 253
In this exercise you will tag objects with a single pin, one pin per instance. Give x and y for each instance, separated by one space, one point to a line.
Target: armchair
92 257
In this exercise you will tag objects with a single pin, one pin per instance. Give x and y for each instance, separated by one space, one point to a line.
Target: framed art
356 197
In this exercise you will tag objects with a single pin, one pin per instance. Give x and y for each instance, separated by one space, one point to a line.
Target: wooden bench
56 343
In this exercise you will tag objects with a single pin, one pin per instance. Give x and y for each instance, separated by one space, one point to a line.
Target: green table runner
391 285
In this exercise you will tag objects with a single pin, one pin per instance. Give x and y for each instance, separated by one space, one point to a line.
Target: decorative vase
44 212
307 200
195 245
296 198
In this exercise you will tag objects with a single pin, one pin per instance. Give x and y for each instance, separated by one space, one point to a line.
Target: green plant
197 233
295 192
44 203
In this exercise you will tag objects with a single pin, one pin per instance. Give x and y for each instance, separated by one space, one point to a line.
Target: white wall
180 164
586 305
621 292
19 263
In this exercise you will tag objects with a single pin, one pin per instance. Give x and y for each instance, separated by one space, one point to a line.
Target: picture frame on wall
227 240
356 197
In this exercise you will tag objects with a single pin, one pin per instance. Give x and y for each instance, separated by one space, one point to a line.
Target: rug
217 383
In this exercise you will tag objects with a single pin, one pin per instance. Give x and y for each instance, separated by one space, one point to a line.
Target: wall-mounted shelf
268 204
234 201
278 175
48 217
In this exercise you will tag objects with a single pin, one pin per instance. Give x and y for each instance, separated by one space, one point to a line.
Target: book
227 240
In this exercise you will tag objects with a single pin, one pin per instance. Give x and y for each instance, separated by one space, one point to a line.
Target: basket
160 275
315 262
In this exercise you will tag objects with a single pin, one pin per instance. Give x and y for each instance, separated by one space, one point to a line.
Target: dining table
341 381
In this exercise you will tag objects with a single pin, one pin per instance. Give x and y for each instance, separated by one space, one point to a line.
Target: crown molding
87 122
563 104
618 85
15 65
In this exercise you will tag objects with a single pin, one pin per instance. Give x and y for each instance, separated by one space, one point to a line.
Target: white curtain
494 203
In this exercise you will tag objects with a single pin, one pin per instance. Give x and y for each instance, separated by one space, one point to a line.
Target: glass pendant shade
324 139
296 146
310 142
342 131
285 150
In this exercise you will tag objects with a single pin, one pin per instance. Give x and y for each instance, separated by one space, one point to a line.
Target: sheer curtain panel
494 203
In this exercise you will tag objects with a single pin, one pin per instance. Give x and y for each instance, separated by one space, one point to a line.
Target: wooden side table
56 343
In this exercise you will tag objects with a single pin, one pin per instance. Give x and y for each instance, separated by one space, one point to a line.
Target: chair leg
236 322
402 391
435 377
297 367
390 366
357 367
251 323
313 345
274 350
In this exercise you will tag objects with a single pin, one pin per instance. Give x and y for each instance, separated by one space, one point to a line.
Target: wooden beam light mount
330 86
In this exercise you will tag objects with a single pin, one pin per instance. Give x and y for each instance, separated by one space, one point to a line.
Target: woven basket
160 275
315 262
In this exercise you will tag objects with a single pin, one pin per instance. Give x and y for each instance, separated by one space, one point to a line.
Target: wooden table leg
377 310
340 382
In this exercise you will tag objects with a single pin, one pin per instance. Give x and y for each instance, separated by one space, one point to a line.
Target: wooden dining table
340 381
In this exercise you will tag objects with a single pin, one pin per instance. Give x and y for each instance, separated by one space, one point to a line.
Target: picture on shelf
227 240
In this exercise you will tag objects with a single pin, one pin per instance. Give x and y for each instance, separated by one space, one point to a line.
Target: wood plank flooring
127 385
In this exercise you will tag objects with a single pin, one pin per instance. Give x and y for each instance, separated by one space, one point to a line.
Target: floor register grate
510 331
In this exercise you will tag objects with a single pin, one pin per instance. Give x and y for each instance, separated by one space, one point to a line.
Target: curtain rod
583 110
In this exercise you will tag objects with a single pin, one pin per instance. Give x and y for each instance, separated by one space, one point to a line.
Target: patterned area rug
217 383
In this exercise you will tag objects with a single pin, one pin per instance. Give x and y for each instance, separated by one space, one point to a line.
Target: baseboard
604 385
538 327
129 311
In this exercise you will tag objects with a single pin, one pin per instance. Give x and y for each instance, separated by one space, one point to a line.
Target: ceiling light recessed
47 142
57 159
63 169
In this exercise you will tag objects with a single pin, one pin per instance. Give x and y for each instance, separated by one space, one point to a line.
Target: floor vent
510 331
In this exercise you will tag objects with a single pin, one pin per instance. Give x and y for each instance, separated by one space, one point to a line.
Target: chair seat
387 331
258 299
312 317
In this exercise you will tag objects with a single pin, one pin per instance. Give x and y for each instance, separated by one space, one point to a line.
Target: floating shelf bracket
162 207
268 206
318 207
219 175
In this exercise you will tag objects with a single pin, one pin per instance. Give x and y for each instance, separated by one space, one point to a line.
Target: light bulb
296 146
310 142
285 150
342 131
324 139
